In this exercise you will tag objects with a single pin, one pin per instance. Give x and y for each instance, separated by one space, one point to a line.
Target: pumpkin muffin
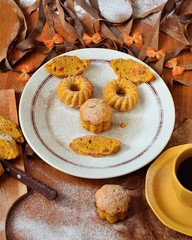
96 115
112 202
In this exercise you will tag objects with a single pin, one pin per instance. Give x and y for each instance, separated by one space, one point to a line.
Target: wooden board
10 189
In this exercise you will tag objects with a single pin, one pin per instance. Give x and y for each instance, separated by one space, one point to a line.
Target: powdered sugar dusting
26 2
71 216
115 11
142 6
62 124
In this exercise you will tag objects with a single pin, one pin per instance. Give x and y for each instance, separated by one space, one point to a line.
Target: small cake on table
73 91
112 202
96 115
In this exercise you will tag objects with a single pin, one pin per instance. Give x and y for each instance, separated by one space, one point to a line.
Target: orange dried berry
123 125
176 70
151 52
129 40
96 38
56 39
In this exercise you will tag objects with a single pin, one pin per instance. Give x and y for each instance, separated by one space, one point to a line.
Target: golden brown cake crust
96 115
95 146
95 111
65 66
74 90
8 127
112 202
121 94
132 70
8 147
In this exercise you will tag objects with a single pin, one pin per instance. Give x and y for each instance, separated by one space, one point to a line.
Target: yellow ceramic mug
182 176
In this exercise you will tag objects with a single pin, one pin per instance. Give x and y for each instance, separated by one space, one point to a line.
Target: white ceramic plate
49 126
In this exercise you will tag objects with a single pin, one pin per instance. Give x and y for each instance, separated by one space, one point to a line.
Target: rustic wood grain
10 189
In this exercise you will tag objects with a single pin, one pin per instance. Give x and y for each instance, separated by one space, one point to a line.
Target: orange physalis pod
56 39
129 40
96 38
25 69
176 70
151 52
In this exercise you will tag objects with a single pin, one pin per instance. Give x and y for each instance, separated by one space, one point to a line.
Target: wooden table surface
72 215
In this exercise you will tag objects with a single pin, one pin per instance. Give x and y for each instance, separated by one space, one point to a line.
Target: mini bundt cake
74 90
65 66
112 202
132 70
95 146
121 94
96 115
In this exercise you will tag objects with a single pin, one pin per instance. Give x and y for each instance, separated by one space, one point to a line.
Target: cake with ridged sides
96 115
73 91
121 94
